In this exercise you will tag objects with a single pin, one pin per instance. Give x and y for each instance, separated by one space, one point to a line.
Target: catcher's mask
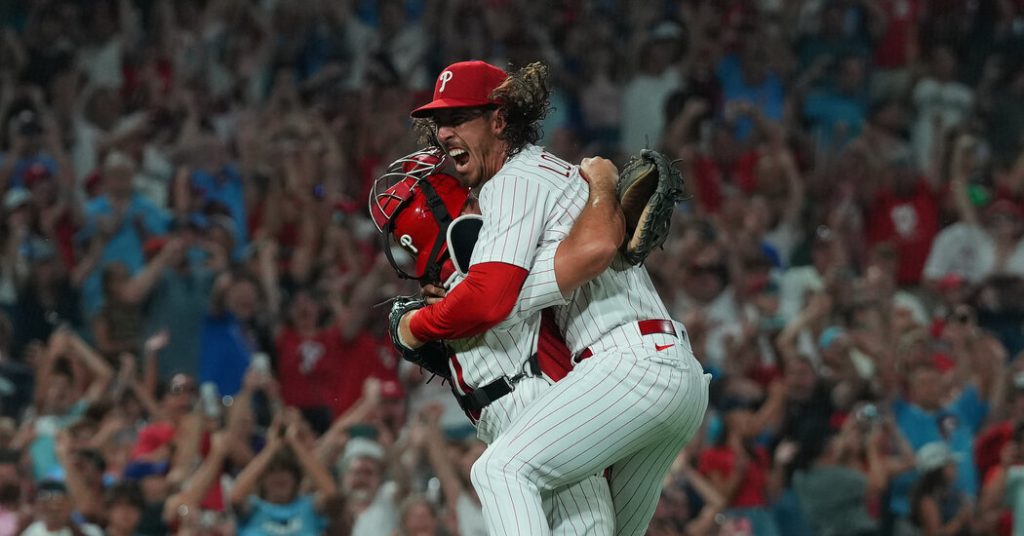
413 203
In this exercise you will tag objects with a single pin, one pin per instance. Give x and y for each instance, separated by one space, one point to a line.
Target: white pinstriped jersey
534 200
504 349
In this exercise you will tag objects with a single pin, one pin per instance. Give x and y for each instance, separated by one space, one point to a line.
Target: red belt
647 327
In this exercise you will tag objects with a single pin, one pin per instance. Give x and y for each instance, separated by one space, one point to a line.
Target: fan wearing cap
936 506
17 212
645 96
929 413
59 215
49 296
31 144
123 220
980 243
53 513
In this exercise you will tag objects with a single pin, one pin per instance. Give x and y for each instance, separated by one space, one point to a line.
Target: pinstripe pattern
629 407
520 200
631 410
533 181
583 508
509 202
540 290
503 350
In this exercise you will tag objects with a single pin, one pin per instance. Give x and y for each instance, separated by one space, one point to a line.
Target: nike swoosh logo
660 347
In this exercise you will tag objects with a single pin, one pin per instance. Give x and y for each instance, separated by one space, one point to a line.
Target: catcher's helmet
412 204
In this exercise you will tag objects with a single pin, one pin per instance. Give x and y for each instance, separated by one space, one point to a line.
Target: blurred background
188 338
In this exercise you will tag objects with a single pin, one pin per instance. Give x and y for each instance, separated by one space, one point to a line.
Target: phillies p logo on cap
445 77
464 84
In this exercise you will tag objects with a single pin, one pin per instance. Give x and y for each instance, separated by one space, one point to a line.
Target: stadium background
183 189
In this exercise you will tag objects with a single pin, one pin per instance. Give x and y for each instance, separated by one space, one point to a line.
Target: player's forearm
480 302
594 239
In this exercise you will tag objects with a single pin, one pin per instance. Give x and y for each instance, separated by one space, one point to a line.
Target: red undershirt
480 302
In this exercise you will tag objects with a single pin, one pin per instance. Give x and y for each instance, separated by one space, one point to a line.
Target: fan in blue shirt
923 419
266 494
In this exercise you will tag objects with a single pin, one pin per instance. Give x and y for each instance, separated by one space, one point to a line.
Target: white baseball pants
581 509
628 408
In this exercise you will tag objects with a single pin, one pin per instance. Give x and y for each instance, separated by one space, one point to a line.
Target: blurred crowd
189 342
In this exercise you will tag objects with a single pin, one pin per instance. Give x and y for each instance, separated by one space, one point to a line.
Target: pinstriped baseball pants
581 509
631 409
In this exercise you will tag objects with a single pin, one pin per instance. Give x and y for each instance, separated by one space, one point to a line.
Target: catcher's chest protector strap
440 212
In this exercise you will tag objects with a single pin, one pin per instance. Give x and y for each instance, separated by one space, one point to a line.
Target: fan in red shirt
1008 181
740 471
305 354
905 213
57 220
360 349
367 354
988 447
897 46
726 166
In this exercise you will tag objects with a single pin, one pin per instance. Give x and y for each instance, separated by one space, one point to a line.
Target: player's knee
478 473
493 463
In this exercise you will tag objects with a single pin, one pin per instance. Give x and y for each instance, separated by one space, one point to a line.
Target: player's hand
433 293
600 172
405 332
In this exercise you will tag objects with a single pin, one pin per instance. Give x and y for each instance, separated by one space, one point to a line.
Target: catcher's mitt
649 188
432 356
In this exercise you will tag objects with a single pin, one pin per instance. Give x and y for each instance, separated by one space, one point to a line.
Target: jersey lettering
566 169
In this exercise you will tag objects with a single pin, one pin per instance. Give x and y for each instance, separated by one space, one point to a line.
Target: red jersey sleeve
480 302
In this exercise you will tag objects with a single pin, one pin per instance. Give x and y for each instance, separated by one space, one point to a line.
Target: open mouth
460 156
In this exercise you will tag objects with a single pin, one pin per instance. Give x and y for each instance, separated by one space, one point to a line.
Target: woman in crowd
936 507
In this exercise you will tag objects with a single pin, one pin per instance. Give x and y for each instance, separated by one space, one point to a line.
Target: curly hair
426 132
524 98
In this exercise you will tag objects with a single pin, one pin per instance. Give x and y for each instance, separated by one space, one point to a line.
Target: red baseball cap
462 85
1004 207
151 438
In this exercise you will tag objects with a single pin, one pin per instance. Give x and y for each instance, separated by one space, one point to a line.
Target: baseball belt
476 400
647 327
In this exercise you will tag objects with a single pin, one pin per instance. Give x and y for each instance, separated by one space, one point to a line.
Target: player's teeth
457 152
